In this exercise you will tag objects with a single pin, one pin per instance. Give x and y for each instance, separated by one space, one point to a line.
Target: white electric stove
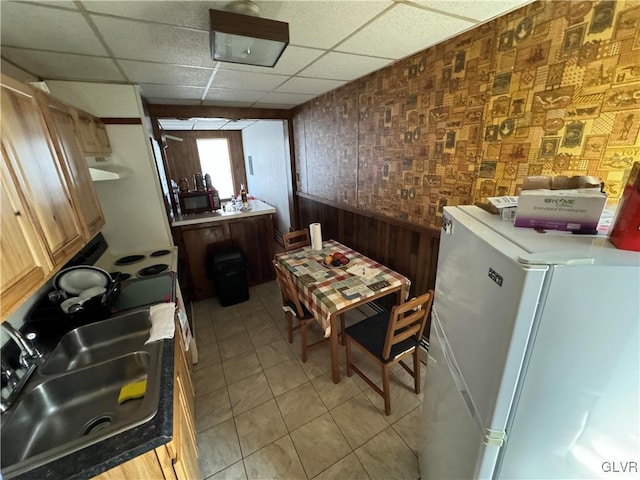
139 264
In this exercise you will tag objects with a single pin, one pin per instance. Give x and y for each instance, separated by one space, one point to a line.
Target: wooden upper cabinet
60 121
25 264
38 175
92 133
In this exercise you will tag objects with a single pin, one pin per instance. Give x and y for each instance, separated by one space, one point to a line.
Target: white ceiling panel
225 94
134 40
474 9
343 66
61 3
147 72
289 99
172 101
247 80
310 86
171 91
174 124
418 27
322 24
227 103
194 15
34 26
64 65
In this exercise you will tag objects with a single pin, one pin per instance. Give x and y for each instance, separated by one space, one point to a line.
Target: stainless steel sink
97 342
73 402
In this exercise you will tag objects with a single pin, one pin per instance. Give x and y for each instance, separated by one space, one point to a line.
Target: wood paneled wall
183 160
405 248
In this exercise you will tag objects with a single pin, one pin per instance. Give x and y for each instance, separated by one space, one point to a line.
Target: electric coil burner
129 259
152 270
160 253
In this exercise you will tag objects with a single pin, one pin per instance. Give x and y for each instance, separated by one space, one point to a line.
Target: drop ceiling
163 46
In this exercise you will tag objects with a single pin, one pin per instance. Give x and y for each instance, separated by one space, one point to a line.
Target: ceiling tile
172 101
224 94
322 24
402 32
181 13
15 72
223 103
61 3
343 66
147 72
34 26
134 40
64 66
292 61
480 11
174 124
309 86
288 99
171 91
247 80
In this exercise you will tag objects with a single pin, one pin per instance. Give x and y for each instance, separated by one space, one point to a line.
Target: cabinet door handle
18 213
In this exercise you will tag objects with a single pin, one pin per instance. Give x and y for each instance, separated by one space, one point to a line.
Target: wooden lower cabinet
196 243
178 459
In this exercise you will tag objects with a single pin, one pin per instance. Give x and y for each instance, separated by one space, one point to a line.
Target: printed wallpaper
552 88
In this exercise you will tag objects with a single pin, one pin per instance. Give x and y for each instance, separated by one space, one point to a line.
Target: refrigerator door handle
491 437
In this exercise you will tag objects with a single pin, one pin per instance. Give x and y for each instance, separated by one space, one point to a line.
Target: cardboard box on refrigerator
572 204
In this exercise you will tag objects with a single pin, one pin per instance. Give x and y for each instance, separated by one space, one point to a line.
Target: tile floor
261 413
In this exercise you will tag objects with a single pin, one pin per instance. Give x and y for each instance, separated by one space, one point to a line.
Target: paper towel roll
316 236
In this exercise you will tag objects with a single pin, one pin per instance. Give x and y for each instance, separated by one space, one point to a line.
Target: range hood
106 168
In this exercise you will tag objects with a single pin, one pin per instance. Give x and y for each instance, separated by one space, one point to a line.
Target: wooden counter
199 235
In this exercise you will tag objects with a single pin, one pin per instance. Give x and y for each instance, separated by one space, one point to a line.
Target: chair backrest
288 288
406 320
296 239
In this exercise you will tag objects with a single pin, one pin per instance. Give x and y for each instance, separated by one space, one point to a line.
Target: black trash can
230 276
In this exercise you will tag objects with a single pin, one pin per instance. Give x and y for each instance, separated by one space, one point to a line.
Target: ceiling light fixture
239 35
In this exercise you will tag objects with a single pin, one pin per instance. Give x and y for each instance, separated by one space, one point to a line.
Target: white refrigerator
533 368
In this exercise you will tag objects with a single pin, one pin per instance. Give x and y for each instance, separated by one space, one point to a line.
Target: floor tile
206 380
387 457
249 392
232 346
218 448
264 335
207 355
319 444
274 353
256 319
300 405
277 460
285 376
234 472
229 328
409 428
241 366
358 420
254 303
403 398
349 468
333 394
259 426
212 409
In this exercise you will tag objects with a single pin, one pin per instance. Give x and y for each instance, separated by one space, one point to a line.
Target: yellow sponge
131 391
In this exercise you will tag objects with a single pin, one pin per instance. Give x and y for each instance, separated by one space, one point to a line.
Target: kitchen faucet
26 362
27 348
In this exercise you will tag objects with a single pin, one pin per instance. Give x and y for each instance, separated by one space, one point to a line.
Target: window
215 160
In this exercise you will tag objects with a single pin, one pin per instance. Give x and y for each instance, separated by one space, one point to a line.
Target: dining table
329 291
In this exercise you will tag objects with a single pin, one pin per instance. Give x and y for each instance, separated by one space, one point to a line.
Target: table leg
335 359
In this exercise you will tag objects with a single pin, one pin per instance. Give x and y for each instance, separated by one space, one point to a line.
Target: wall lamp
245 37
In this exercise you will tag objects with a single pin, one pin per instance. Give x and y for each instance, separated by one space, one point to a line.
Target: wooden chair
292 307
387 338
296 239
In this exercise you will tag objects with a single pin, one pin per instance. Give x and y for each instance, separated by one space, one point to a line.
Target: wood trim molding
376 216
121 121
189 111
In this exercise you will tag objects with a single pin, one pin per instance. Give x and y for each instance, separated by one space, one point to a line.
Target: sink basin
97 342
71 402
